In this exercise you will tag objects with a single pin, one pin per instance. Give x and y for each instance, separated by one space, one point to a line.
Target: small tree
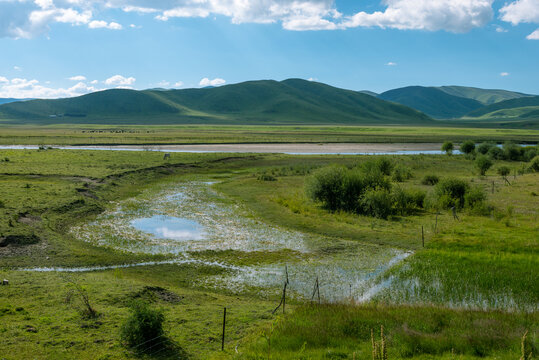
448 147
467 147
483 163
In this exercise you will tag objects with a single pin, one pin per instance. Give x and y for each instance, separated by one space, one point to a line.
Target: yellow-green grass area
477 263
74 134
343 331
41 318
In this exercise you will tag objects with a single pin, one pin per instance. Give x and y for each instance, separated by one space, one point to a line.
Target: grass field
208 134
474 292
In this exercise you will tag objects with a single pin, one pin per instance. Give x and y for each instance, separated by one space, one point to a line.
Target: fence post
224 325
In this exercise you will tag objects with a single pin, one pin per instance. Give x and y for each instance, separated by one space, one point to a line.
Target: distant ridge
432 101
292 101
10 100
524 107
484 96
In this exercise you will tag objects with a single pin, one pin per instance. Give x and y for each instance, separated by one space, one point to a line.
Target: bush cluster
458 193
364 190
430 180
509 151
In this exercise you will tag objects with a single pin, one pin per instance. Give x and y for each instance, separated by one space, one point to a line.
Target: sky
63 48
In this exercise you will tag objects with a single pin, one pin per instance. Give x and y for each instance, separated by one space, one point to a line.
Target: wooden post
318 289
224 326
284 296
422 236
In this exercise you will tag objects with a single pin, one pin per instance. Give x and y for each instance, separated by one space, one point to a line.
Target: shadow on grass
163 348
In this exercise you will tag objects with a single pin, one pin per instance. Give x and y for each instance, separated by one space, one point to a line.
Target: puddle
168 227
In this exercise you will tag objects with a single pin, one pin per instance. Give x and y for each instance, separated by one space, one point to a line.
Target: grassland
208 134
44 193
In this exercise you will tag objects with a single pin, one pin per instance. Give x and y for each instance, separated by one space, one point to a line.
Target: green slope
292 101
484 96
524 107
432 101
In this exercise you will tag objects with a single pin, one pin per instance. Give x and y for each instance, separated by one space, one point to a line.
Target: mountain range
292 101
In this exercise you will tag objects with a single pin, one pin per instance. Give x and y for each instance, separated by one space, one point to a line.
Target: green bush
467 147
450 192
381 164
534 164
143 329
496 153
529 153
266 177
406 202
377 203
401 173
483 163
503 170
430 180
448 147
474 198
485 147
512 151
327 186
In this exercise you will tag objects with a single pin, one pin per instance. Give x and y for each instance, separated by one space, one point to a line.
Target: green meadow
469 292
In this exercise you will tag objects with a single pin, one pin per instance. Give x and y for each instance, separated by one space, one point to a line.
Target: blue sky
58 48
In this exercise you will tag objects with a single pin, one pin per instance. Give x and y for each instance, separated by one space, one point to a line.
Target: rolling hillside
432 101
292 101
484 96
10 100
521 108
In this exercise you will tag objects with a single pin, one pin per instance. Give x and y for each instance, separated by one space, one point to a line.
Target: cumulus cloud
521 11
119 80
451 15
22 88
534 35
503 74
26 18
78 78
178 84
391 63
100 24
500 29
214 82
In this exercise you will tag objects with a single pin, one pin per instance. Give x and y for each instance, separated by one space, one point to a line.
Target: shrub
496 153
401 173
381 164
474 198
503 171
430 180
483 163
143 328
450 192
266 177
529 153
377 203
327 186
484 148
467 147
2 205
512 151
407 201
448 147
534 164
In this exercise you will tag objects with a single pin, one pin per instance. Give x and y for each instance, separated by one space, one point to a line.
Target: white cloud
100 24
451 15
504 74
3 80
534 35
119 80
163 83
312 79
93 82
17 68
22 88
391 63
28 18
78 78
500 29
521 11
214 82
178 84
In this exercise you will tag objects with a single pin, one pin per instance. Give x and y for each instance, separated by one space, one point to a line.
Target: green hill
484 96
524 107
292 101
432 101
10 100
